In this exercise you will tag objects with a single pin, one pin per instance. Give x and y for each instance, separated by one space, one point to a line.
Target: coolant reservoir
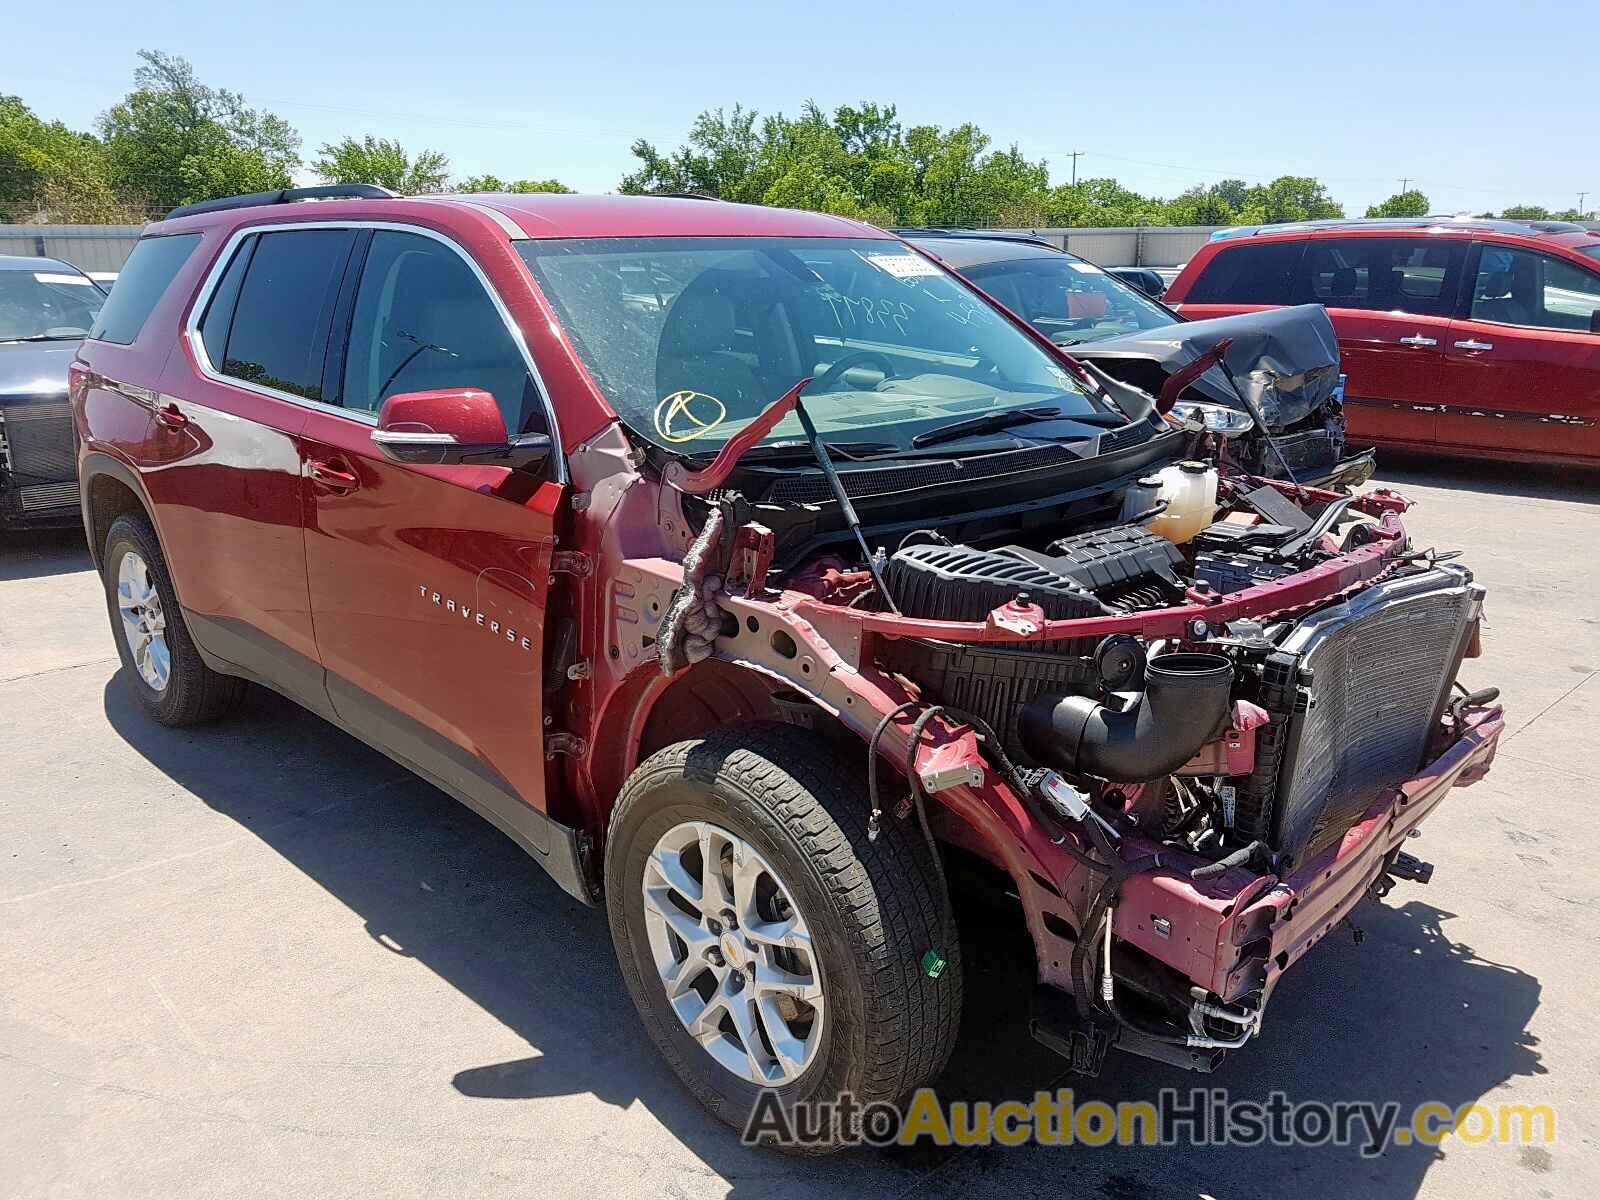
1190 490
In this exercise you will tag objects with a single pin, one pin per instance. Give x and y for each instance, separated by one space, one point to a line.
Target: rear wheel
766 942
165 672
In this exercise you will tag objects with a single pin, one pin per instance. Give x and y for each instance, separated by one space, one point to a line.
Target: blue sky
1481 105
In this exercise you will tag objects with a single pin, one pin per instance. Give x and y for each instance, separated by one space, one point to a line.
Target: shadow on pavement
36 553
1408 1016
1532 481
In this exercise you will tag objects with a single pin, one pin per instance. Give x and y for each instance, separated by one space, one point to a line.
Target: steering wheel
826 381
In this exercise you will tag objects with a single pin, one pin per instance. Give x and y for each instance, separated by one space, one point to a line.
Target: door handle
331 478
1470 344
1416 339
171 416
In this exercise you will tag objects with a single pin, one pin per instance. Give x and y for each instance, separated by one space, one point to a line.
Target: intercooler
1374 674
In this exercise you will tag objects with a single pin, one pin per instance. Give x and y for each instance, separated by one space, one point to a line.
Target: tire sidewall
673 800
126 536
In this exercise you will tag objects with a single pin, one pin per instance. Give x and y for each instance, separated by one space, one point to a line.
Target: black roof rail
325 191
954 232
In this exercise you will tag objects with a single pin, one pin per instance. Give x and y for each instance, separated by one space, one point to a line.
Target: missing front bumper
1236 936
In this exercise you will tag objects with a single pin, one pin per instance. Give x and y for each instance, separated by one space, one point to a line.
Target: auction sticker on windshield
902 266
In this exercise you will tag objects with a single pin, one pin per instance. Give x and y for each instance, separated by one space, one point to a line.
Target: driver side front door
427 583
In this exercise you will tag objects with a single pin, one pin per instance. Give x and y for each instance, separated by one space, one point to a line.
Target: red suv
747 568
1479 338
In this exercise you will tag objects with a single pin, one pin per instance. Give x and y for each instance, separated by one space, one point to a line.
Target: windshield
1068 300
690 338
47 304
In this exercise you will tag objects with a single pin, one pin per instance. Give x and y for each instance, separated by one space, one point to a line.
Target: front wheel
766 942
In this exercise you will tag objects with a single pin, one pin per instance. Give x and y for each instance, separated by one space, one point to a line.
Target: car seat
1343 285
696 350
443 333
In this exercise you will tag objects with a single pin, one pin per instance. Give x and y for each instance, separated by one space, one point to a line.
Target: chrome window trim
507 226
197 346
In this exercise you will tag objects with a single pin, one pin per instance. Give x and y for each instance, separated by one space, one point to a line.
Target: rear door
1391 300
428 583
221 461
1522 365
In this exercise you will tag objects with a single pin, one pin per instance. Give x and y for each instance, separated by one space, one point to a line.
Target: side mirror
450 426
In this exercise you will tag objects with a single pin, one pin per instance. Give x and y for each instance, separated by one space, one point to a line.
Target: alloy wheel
144 624
734 953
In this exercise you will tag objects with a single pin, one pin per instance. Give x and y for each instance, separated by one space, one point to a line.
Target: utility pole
1076 154
1581 197
1405 186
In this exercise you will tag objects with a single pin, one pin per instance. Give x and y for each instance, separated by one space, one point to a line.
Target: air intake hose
1184 703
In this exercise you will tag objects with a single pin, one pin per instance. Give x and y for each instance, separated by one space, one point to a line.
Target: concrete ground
258 959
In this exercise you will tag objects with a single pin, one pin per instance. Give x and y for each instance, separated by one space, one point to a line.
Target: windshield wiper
48 337
994 422
985 423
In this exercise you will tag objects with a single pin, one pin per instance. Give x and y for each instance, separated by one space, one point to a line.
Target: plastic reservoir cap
1190 467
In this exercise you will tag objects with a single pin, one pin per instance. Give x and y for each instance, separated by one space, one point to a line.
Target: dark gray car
1101 319
46 308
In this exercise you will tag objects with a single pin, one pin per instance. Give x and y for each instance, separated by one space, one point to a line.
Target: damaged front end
1192 757
1281 365
1190 710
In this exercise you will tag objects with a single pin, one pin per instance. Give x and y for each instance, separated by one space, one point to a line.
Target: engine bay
1204 741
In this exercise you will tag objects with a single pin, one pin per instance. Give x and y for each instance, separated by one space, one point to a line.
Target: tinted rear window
145 276
279 331
1414 275
219 311
1249 273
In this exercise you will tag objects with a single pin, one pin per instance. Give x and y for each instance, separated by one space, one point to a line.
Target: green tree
1402 204
717 160
1205 205
1102 202
858 161
862 161
493 183
50 172
1288 198
174 140
1526 212
383 162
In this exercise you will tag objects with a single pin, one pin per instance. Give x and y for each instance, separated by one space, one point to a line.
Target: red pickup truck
746 567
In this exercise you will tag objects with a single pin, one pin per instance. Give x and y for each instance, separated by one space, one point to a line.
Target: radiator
38 441
1375 674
